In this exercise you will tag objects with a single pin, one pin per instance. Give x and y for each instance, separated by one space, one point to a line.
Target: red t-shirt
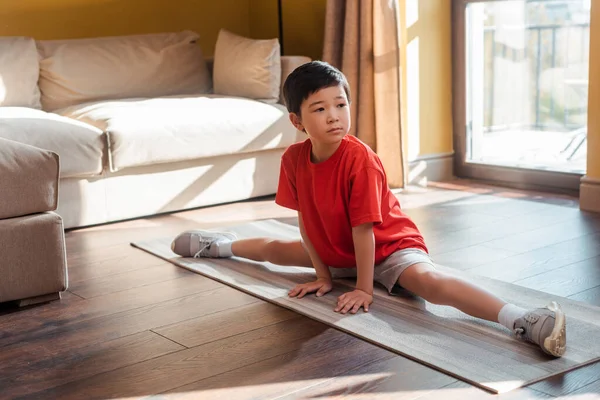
348 189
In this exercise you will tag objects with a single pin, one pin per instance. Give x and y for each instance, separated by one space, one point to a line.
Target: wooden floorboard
505 228
328 356
106 285
587 392
44 322
393 378
134 325
590 296
186 366
112 260
45 344
567 280
513 235
541 260
41 373
567 383
544 236
221 325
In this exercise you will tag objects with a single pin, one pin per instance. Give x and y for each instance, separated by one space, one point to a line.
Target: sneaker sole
556 343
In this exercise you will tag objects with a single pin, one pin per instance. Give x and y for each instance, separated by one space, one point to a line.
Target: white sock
224 248
509 314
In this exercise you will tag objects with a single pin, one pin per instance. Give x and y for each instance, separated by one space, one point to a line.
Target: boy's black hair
308 79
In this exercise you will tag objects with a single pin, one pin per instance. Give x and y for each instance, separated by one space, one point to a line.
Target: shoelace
205 247
523 332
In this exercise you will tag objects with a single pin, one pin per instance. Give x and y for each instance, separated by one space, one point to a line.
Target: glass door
520 90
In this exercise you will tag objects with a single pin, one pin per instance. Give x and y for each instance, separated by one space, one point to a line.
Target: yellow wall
62 19
263 19
429 76
593 160
303 25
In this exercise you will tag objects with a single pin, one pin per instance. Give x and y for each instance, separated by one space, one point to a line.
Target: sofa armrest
288 64
28 179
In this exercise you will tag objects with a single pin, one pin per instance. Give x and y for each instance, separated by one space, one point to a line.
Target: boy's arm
364 249
321 269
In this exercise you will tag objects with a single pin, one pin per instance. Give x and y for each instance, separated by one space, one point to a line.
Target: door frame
523 178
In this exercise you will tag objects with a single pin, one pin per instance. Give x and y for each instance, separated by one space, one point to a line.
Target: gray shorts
388 272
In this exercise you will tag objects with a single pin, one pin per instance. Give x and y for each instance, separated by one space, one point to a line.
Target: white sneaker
200 243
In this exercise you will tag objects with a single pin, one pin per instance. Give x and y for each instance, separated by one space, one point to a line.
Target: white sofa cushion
79 146
82 70
162 130
247 67
19 73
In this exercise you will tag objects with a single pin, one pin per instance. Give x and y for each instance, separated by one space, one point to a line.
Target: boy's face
324 115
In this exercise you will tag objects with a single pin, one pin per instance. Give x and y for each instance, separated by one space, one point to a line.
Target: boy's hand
321 286
353 301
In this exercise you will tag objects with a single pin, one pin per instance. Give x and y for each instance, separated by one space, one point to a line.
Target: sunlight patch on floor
309 388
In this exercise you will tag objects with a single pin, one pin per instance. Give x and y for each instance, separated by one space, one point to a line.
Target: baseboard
589 194
431 167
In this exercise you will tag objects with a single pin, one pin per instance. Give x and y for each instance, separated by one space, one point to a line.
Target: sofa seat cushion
170 129
80 146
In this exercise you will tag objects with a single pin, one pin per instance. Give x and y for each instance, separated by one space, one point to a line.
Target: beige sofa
146 124
33 265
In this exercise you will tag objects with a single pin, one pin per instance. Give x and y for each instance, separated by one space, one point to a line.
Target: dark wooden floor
132 325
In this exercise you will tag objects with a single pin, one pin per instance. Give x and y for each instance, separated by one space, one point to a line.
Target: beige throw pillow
245 67
19 72
82 70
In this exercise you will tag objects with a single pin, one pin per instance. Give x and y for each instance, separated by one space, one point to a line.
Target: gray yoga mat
475 351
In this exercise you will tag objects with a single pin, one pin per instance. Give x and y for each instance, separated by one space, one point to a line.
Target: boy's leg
439 288
198 243
280 252
545 327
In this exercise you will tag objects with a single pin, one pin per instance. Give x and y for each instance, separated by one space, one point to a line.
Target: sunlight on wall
428 77
593 161
413 106
2 89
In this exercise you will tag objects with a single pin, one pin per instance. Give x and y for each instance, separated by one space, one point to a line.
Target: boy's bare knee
275 251
270 250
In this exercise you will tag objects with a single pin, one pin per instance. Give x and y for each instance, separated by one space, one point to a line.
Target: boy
352 225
